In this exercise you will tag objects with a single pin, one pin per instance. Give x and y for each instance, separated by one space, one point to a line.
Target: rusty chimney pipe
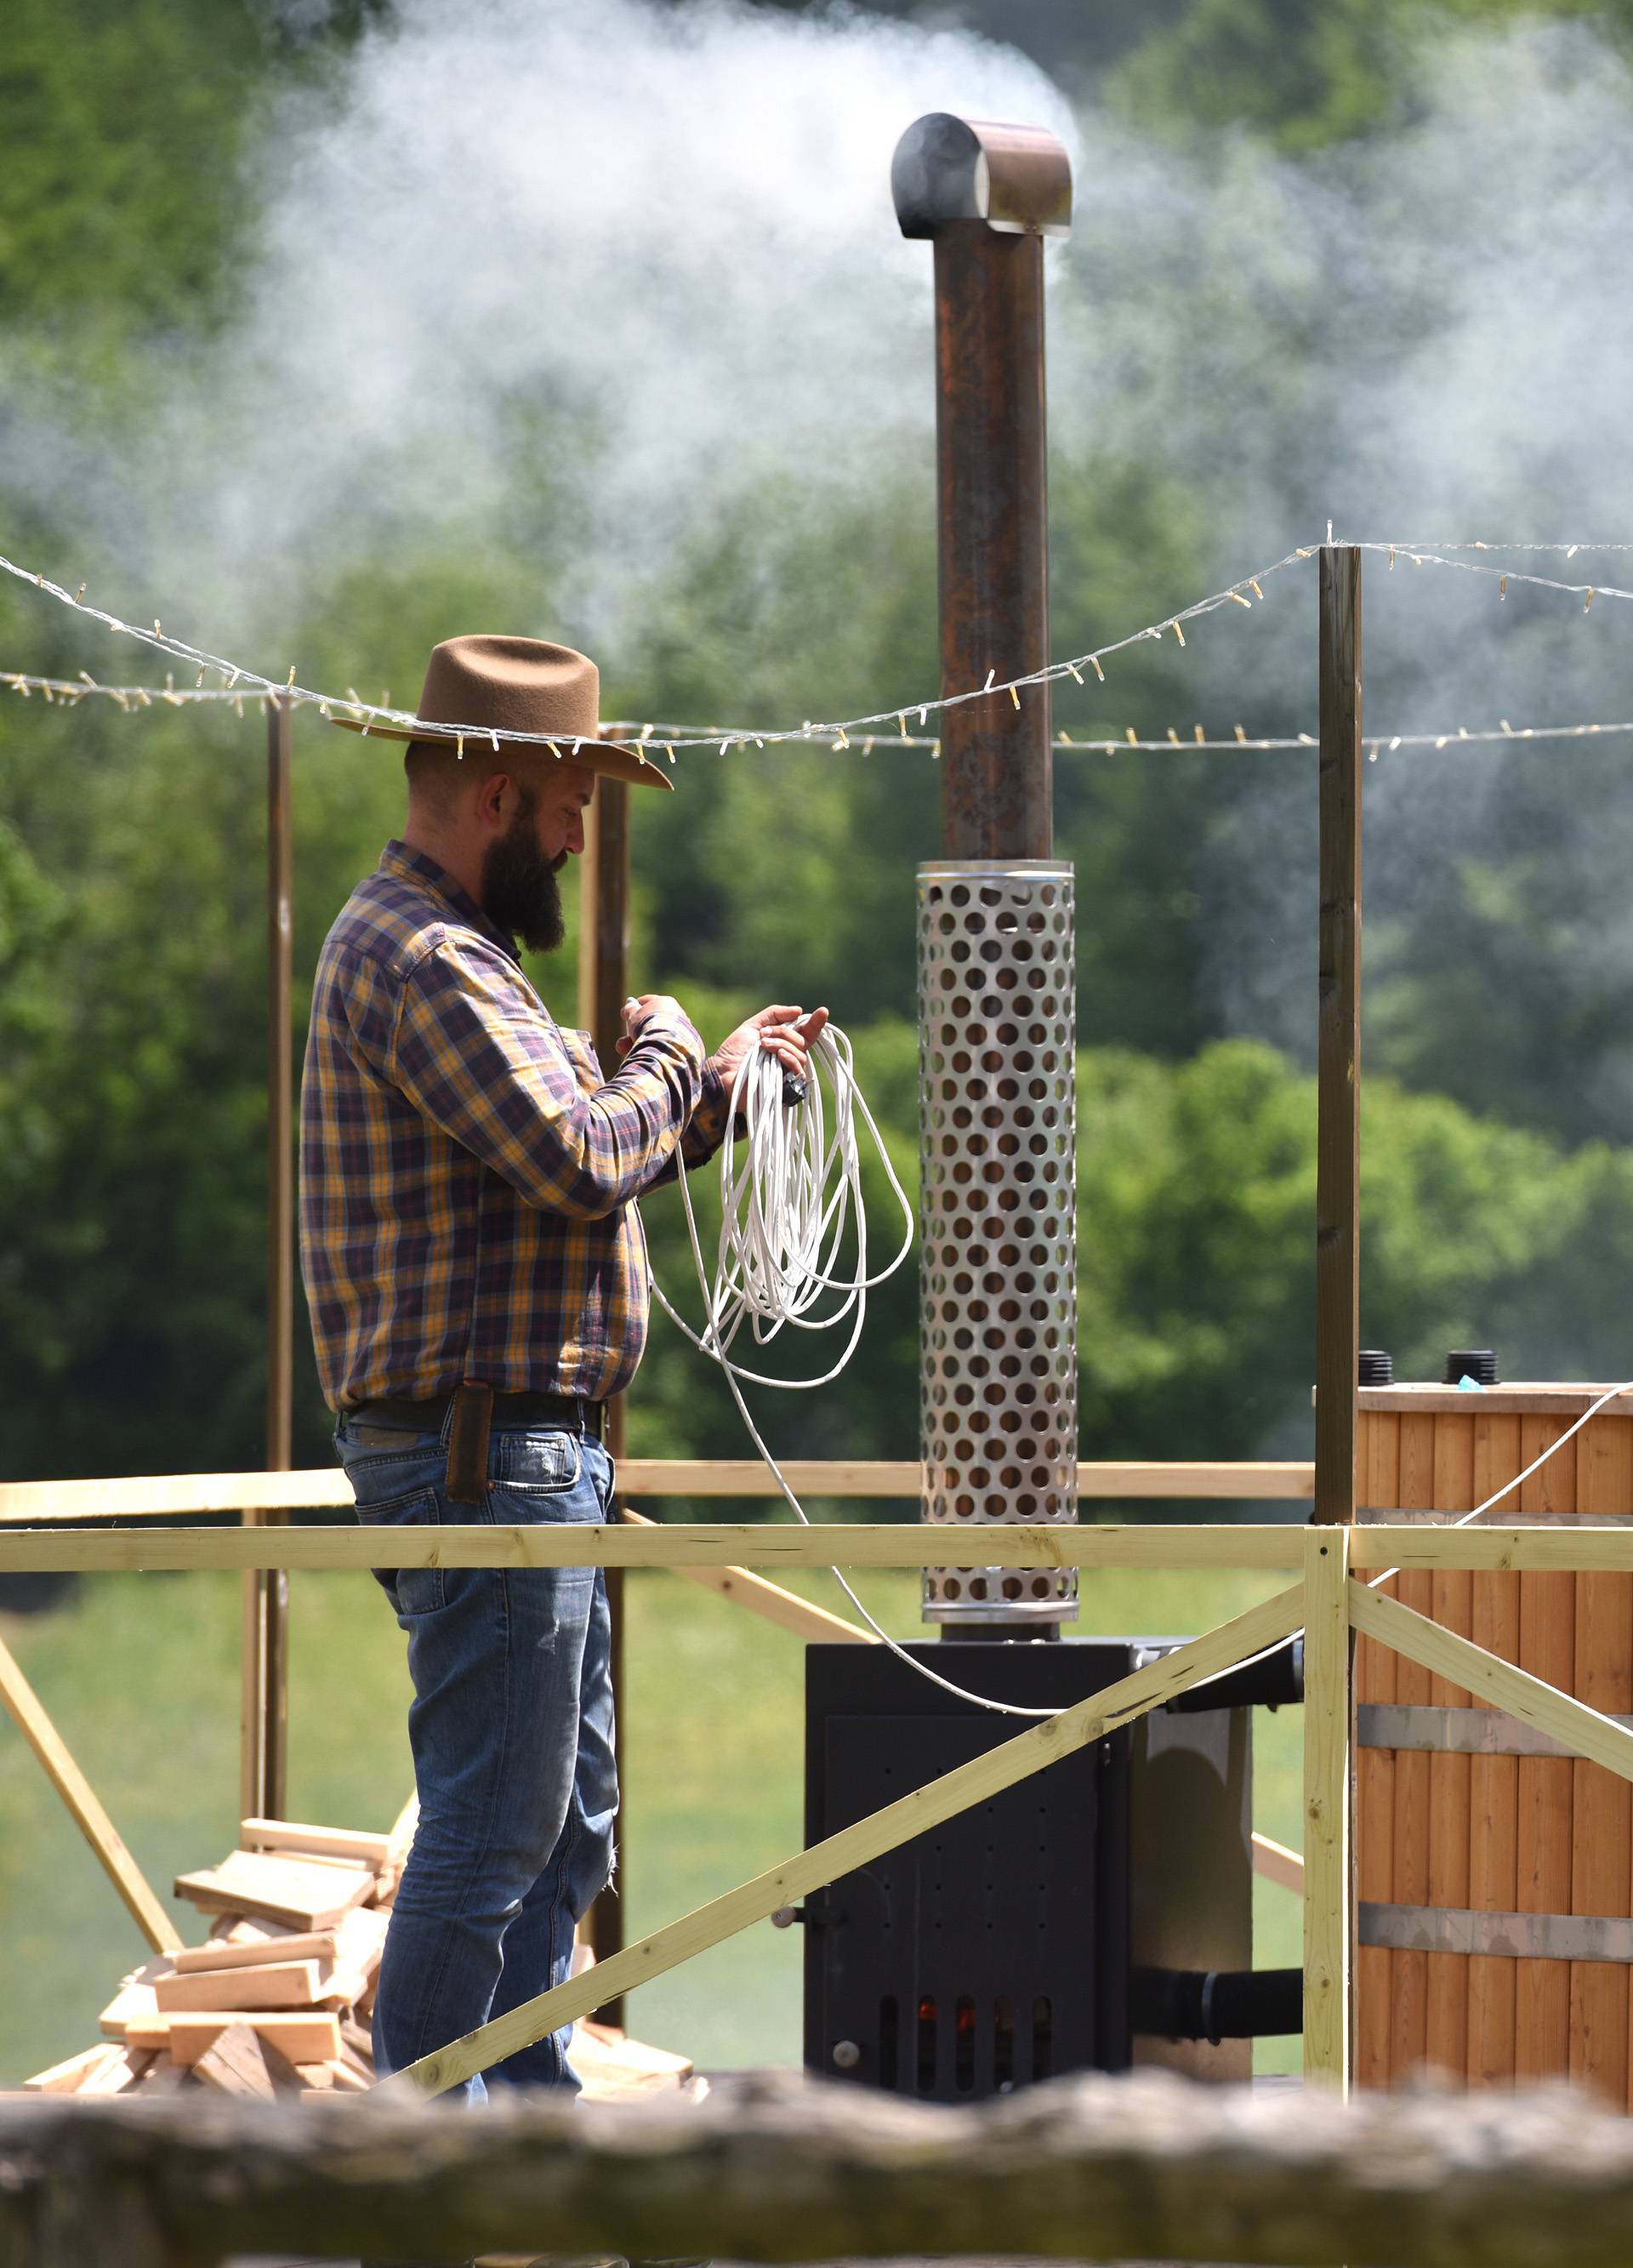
987 194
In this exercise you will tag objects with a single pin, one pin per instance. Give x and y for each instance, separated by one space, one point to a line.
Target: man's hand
641 1008
788 1034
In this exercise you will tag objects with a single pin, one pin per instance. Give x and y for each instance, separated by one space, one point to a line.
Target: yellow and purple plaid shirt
466 1176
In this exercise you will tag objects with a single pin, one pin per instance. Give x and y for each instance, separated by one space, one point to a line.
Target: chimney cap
1017 179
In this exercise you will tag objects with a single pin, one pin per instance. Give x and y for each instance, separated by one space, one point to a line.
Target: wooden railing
1328 1598
175 1496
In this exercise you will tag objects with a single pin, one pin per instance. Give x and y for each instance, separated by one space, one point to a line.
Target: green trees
1196 1190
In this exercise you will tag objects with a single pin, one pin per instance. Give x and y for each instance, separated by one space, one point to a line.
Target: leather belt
427 1415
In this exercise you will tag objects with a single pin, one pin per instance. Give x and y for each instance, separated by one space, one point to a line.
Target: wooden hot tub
1490 1866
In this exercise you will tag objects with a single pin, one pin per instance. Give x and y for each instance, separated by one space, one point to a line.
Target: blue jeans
511 1730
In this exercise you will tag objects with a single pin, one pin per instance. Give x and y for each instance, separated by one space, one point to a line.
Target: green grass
140 1673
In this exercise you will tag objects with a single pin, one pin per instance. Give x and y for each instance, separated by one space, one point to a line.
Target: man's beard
520 890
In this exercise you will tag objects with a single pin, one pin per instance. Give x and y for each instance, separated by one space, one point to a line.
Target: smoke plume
568 275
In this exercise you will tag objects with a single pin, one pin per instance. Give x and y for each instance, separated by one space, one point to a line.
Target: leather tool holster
467 1443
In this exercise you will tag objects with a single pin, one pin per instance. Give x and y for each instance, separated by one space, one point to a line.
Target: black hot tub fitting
1216 2004
1274 1679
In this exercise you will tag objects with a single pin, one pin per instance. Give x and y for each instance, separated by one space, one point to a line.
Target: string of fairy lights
1502 576
69 691
883 729
237 682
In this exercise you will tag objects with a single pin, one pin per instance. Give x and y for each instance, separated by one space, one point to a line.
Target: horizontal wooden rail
679 1544
684 1544
784 2169
1519 1398
771 1602
857 1845
1543 1549
176 1496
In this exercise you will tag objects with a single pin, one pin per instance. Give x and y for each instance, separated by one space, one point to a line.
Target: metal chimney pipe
987 194
996 1001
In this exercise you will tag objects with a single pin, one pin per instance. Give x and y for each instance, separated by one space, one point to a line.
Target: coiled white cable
787 1208
785 1211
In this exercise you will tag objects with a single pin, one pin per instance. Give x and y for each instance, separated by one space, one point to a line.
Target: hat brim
614 759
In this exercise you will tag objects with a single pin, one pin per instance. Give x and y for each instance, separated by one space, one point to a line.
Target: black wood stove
1069 1924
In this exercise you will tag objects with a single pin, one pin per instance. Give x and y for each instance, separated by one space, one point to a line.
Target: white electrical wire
1464 1520
787 1209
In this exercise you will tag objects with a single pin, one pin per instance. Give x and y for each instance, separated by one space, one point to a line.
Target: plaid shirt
467 1177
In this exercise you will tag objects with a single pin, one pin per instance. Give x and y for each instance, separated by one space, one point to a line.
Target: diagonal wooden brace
1571 1722
78 1793
869 1839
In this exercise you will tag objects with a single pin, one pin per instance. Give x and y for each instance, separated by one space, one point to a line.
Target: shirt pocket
413 1591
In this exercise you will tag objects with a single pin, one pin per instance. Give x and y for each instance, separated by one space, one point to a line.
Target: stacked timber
278 2000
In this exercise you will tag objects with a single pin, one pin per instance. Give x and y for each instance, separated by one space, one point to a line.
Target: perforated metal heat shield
998 1213
997 1949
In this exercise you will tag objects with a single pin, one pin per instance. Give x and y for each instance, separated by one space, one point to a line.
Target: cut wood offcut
278 2000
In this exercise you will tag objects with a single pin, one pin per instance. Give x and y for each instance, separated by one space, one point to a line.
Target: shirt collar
410 865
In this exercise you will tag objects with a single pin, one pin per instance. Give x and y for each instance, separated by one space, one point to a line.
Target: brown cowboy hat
492 688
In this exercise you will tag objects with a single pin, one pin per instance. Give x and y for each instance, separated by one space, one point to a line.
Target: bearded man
477 1278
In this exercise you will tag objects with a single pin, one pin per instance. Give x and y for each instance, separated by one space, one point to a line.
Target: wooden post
1338 1077
603 987
263 1769
1328 1910
1329 1906
1379 1437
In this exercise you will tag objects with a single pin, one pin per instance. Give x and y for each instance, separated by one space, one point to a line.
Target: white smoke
594 260
1424 334
563 274
609 257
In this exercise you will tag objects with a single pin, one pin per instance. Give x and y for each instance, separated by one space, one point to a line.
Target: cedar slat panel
1379 1462
1601 1804
1494 1787
1548 1648
1409 1972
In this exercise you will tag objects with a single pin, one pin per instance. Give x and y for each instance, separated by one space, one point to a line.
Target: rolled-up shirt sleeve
475 1054
705 1129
